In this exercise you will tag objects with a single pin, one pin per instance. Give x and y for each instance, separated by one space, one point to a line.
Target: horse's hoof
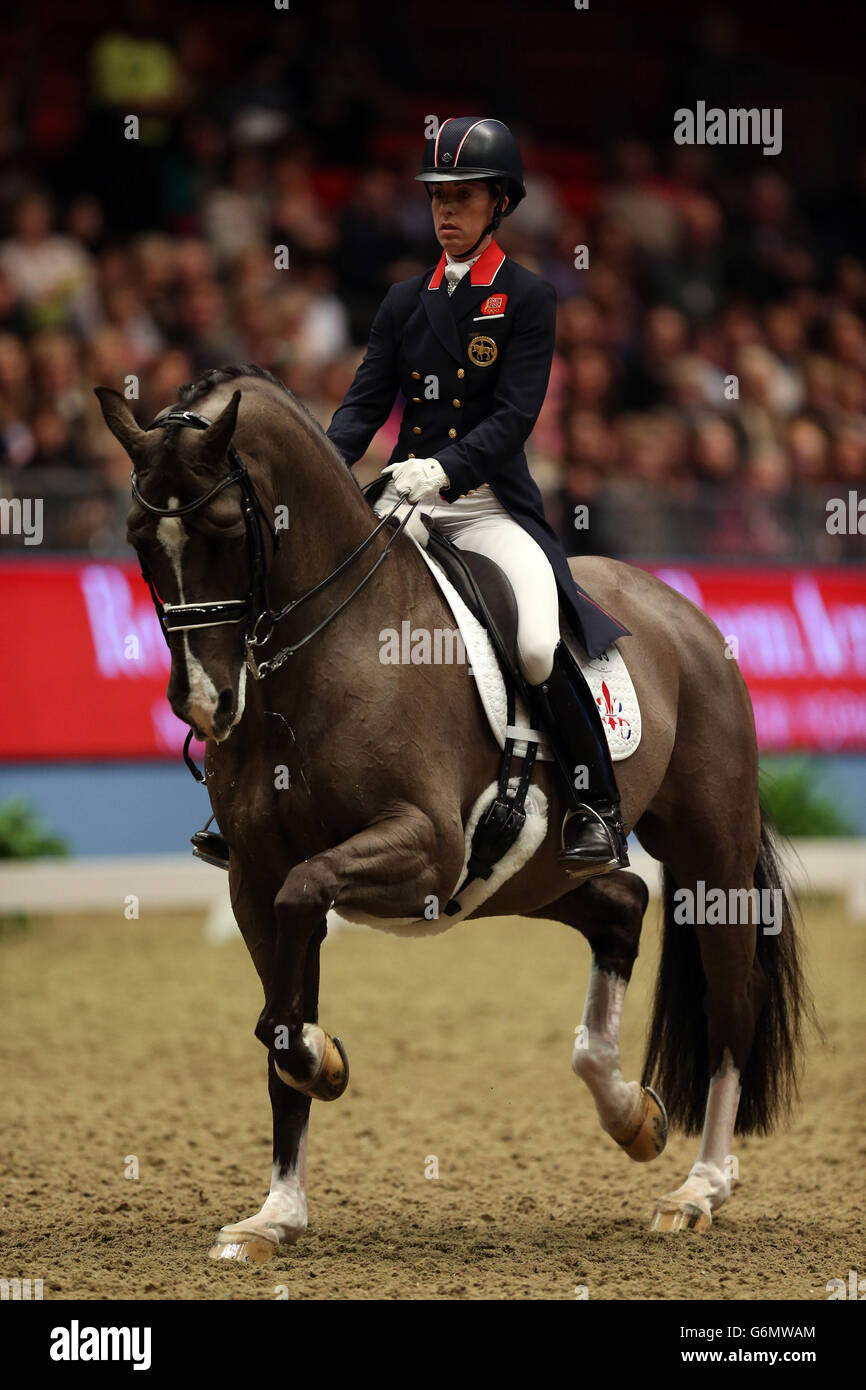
647 1131
331 1069
677 1214
334 1076
245 1249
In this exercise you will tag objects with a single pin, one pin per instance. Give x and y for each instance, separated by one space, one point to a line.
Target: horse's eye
228 531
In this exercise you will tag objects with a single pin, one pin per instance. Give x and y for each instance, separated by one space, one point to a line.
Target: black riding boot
593 837
211 847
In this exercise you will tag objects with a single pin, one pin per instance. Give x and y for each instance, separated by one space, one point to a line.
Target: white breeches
481 523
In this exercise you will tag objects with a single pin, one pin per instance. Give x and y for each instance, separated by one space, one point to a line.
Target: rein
255 609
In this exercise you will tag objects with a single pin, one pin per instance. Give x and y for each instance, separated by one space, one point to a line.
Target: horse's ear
216 438
120 420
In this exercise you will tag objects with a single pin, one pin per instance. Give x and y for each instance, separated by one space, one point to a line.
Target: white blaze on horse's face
203 704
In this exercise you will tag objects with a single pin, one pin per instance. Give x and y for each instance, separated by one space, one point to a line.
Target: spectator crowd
708 394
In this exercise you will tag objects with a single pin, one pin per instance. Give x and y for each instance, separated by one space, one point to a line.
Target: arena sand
128 1038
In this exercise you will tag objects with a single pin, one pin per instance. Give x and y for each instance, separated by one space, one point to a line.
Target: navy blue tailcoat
473 369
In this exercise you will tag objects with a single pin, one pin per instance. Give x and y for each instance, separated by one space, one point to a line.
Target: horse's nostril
225 701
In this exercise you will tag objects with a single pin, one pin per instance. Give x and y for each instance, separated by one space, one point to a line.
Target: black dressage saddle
487 593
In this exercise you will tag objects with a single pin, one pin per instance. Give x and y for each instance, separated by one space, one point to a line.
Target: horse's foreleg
609 912
305 1057
283 1216
388 870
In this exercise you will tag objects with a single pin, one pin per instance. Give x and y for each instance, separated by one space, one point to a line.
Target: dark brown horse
344 783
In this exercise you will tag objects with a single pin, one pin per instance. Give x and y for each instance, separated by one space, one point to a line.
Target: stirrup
211 848
617 844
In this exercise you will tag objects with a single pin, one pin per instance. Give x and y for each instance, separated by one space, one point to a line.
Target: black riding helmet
476 147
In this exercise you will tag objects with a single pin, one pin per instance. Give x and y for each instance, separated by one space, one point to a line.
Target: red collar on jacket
483 272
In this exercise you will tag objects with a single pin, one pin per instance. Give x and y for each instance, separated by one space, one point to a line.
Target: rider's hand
416 479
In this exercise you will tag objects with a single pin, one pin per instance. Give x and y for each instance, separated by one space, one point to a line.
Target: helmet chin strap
491 226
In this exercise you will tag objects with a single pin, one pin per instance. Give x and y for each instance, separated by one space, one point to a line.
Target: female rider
470 345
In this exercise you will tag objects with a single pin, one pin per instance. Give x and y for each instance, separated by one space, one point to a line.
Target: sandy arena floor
135 1038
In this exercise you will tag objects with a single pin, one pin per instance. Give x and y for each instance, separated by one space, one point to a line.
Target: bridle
254 610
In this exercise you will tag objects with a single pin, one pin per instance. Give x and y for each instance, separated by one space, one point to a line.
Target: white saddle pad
606 675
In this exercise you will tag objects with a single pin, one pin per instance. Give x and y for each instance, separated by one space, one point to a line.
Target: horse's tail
677 1054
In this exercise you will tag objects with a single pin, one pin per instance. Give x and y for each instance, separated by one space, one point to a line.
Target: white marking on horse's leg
595 1058
283 1216
709 1176
172 537
285 1207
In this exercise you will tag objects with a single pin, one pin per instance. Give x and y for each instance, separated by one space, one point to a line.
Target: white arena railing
178 882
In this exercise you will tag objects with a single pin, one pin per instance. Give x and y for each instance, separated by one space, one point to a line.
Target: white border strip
178 881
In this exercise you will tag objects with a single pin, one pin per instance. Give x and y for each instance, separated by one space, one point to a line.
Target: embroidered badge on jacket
482 351
495 304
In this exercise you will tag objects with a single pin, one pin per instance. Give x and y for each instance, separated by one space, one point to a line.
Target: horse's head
196 542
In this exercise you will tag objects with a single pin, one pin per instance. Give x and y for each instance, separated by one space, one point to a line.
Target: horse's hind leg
734 992
710 991
708 1185
609 912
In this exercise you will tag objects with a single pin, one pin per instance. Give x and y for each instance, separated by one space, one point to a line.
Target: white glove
416 479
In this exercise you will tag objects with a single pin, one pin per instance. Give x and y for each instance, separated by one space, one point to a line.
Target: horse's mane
193 392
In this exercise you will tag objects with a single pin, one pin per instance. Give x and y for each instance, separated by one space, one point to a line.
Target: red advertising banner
85 667
799 636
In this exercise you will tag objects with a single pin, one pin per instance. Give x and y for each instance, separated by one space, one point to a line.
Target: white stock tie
455 270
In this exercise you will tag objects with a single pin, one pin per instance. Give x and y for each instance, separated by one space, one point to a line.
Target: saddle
487 593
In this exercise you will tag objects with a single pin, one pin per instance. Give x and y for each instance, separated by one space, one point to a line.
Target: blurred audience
709 386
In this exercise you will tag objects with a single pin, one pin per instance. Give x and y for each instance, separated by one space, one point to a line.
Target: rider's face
461 211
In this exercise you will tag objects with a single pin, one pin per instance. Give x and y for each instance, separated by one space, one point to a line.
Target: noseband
255 609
